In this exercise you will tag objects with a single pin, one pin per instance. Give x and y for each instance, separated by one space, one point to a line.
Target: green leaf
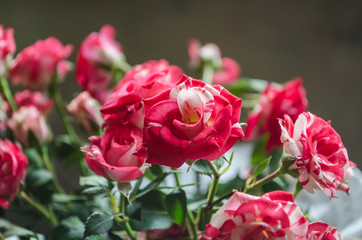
202 167
39 177
98 224
33 157
136 187
261 168
71 228
259 153
8 229
247 85
93 184
65 198
152 185
176 206
154 214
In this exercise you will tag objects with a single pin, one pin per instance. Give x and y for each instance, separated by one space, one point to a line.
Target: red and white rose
190 121
35 66
272 216
7 47
321 158
13 164
97 55
113 155
274 102
322 231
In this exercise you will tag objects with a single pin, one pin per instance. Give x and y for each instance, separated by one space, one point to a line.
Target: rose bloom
27 119
321 158
35 65
7 47
230 72
86 110
272 216
209 52
141 82
13 164
322 231
274 102
190 121
112 155
98 54
31 98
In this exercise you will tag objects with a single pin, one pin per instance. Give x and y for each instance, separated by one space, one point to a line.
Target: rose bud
27 119
113 155
98 54
35 66
229 72
321 159
272 216
86 110
192 120
13 164
274 102
7 47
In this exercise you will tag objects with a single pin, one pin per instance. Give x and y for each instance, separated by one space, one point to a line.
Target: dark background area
320 41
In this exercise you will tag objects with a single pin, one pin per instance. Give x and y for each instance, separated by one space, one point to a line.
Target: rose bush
97 55
13 164
192 120
113 155
35 66
274 102
321 158
272 216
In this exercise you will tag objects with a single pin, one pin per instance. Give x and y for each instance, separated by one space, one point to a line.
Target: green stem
190 220
49 166
126 224
124 66
113 202
5 89
61 109
207 74
213 186
49 215
265 180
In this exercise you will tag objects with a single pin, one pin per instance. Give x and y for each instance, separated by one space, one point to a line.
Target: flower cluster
143 123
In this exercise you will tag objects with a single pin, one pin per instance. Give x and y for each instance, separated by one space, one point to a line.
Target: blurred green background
320 41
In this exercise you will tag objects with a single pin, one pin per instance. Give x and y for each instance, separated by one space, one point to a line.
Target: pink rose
273 104
141 82
321 158
29 98
194 53
193 120
272 216
229 72
97 55
35 65
13 164
112 155
322 231
209 53
7 47
27 119
86 110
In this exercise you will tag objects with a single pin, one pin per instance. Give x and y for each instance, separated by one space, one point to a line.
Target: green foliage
97 224
247 85
71 228
261 168
176 206
93 184
8 229
202 167
151 186
154 214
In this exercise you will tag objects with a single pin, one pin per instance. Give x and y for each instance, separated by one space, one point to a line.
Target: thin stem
126 224
207 74
49 216
61 109
5 89
113 202
124 66
265 180
49 166
190 221
213 186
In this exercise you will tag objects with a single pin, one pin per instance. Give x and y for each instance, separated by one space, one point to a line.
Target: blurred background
320 41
